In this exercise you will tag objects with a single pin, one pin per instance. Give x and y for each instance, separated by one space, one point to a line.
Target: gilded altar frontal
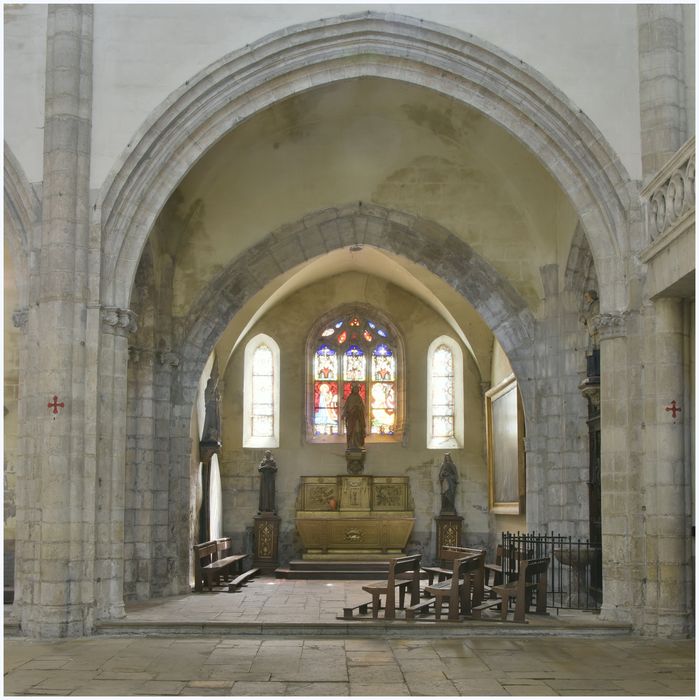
354 323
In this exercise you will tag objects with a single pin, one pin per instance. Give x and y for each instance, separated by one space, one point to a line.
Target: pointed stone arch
393 47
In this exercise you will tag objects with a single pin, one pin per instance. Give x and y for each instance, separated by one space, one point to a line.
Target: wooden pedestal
448 532
266 533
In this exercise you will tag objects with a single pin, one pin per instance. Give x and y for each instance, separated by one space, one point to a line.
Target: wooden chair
403 574
532 577
456 589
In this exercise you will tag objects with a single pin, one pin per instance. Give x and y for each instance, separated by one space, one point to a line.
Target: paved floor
330 667
326 657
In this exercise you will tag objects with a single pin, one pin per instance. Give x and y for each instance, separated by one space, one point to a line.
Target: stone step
353 570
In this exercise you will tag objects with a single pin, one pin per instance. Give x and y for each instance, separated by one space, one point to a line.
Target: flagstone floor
405 663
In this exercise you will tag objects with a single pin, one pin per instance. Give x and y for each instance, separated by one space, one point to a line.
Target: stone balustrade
669 196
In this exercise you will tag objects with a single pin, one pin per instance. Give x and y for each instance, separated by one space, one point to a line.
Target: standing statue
448 479
212 402
268 471
354 416
590 318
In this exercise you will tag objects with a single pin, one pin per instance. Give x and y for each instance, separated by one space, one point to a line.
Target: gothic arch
394 47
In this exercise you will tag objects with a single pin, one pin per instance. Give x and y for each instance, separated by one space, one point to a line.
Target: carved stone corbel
612 326
118 321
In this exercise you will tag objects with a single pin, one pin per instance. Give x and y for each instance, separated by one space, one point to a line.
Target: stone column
621 456
667 519
662 84
55 539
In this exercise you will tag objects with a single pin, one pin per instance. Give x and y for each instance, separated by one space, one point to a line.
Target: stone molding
20 317
670 196
164 357
612 326
469 70
118 321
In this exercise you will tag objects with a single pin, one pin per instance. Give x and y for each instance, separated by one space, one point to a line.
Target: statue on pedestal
590 318
448 479
354 416
211 432
268 471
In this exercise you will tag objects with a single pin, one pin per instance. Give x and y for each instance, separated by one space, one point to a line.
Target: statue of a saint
590 318
354 416
212 401
268 471
448 479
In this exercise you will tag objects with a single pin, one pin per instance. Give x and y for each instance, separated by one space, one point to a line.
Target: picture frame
505 448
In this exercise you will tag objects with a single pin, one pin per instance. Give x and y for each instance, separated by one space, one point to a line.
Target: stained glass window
261 393
444 394
348 349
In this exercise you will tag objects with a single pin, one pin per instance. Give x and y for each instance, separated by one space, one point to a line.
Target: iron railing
575 571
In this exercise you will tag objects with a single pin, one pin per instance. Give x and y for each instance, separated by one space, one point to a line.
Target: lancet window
261 393
444 394
356 346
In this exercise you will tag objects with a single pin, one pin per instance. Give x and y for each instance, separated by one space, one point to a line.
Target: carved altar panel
391 493
355 492
317 492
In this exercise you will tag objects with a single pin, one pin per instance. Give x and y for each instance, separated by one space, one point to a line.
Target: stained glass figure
383 408
383 364
442 392
325 363
262 392
325 413
354 369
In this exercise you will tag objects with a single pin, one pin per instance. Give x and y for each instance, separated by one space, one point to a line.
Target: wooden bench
212 562
532 578
456 589
403 574
442 573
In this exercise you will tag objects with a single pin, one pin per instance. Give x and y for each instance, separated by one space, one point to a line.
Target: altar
354 517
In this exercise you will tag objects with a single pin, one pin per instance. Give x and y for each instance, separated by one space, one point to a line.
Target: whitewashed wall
144 52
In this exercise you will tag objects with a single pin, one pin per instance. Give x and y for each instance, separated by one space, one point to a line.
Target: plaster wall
288 323
374 141
144 52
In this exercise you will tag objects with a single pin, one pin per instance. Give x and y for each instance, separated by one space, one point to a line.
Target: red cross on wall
674 408
55 405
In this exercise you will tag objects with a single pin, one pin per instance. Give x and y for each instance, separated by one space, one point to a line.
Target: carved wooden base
448 532
266 538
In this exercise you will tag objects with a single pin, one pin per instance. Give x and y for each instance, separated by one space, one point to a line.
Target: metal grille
575 571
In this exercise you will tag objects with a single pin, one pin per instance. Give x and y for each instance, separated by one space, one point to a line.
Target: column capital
612 325
118 321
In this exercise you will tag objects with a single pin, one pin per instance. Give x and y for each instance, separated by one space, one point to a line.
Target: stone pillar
56 539
662 84
621 457
667 519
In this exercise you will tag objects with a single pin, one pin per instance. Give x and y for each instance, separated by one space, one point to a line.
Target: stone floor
277 637
329 667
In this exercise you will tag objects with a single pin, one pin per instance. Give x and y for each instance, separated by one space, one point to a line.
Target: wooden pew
532 577
212 562
403 574
442 573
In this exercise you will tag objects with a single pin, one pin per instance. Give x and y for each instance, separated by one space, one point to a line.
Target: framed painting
505 440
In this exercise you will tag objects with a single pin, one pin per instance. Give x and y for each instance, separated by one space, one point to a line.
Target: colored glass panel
368 336
383 408
354 321
327 332
383 364
325 413
325 363
342 337
262 392
354 369
442 392
382 333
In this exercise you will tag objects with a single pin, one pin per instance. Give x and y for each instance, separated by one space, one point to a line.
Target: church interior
215 244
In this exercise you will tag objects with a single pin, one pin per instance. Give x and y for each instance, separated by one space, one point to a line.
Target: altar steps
299 569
